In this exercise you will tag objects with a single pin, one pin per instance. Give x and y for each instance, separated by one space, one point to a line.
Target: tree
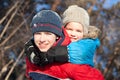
15 20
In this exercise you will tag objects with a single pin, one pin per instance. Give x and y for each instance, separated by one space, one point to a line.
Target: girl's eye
68 29
79 31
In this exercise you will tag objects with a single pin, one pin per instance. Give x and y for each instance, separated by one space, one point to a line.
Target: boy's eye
48 33
37 33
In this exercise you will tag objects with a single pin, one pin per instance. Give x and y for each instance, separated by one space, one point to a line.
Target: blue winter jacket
82 51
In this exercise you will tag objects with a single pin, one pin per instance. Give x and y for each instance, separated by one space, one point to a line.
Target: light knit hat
75 13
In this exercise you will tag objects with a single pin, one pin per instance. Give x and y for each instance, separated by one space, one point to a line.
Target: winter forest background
15 18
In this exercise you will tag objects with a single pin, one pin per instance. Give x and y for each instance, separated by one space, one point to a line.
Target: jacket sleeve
57 54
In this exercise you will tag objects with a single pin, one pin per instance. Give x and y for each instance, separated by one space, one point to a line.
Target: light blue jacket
82 51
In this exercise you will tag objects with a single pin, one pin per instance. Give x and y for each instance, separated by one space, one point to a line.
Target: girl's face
44 40
74 30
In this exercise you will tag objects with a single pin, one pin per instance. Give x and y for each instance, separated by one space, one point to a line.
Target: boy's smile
44 40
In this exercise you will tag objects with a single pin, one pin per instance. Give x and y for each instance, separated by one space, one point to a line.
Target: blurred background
15 18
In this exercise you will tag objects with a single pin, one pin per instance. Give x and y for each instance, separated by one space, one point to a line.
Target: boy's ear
57 38
93 32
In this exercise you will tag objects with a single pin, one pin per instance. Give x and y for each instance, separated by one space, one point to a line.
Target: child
47 32
76 71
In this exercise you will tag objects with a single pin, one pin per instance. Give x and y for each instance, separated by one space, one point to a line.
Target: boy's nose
42 38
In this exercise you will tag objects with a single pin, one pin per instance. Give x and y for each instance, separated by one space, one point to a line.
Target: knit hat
75 13
47 20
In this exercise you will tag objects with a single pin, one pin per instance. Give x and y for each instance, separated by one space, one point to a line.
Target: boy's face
74 30
44 40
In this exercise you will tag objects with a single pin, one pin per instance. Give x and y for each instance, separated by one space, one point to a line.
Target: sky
110 3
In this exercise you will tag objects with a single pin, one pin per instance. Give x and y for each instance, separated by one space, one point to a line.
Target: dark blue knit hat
47 20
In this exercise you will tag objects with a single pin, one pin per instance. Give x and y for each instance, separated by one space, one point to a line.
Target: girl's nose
73 34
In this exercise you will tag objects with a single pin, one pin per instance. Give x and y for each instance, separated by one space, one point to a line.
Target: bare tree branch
9 73
5 68
8 13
